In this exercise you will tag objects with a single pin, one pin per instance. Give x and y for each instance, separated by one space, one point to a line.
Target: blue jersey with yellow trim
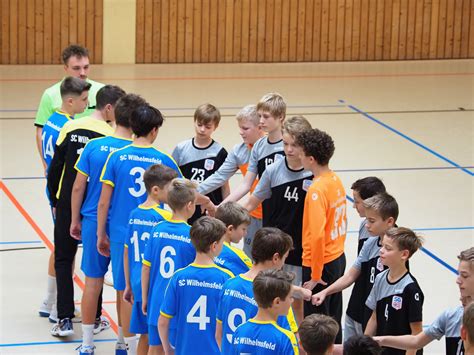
50 134
140 226
237 305
170 249
233 259
90 164
262 338
124 171
192 297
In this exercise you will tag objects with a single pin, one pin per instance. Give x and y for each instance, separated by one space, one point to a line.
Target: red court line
276 77
48 243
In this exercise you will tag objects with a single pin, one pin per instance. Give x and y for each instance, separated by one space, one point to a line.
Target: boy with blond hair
272 112
382 212
396 299
238 159
324 223
283 185
192 294
199 157
236 219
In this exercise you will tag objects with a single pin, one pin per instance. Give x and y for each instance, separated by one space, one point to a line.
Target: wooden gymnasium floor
409 123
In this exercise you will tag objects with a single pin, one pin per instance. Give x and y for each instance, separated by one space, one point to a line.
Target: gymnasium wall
234 31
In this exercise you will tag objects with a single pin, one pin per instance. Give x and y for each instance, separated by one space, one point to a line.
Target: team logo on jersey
314 196
306 184
277 157
417 296
379 265
397 302
209 164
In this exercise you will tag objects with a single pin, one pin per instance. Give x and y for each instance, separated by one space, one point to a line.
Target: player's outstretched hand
318 298
75 230
210 208
312 283
103 246
128 295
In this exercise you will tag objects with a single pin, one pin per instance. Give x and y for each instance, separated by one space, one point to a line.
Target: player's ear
463 333
276 257
230 228
405 254
391 221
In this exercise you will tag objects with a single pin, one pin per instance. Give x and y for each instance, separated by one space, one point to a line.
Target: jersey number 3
138 173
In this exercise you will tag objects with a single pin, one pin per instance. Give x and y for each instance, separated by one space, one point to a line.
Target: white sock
132 345
120 338
88 334
51 289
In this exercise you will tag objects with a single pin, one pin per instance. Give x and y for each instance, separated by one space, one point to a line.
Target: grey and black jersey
396 305
197 164
448 324
363 235
238 158
284 192
264 153
369 265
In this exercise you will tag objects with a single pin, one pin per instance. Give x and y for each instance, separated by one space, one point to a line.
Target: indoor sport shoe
85 350
45 309
63 328
101 324
121 349
53 316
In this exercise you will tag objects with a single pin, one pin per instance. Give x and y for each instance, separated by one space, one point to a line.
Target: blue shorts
138 321
93 264
154 336
116 254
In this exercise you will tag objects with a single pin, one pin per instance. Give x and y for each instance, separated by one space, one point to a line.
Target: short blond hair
248 114
295 125
207 113
181 192
468 256
272 102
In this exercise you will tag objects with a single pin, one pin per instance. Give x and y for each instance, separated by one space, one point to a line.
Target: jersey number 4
48 149
197 314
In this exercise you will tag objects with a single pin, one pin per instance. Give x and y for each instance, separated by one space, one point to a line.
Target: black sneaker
63 328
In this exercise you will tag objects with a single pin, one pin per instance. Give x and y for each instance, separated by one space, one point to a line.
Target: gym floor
409 123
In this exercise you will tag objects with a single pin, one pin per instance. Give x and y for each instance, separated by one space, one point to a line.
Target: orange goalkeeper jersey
324 223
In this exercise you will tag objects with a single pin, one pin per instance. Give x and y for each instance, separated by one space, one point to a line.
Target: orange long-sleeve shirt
324 223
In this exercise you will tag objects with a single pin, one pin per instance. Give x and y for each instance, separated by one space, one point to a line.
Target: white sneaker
63 328
101 324
108 278
53 316
45 309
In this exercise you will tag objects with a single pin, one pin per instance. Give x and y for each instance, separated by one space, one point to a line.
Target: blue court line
24 242
54 342
353 108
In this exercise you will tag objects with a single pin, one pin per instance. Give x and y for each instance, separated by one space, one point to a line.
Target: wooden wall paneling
205 28
164 32
214 8
285 31
308 31
22 32
221 25
81 22
340 23
395 31
269 31
425 41
348 29
47 28
418 30
300 30
56 32
14 32
181 28
30 32
253 30
434 29
148 43
443 12
332 36
372 26
293 33
471 31
356 30
364 29
261 27
99 17
39 18
229 31
325 30
458 7
197 28
466 18
5 33
237 40
73 20
402 35
379 31
156 35
277 30
90 28
140 35
245 42
387 29
173 31
316 40
189 29
448 49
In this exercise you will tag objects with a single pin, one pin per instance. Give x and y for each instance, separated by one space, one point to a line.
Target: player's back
192 297
90 164
169 249
262 338
50 134
237 305
233 259
124 171
141 222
